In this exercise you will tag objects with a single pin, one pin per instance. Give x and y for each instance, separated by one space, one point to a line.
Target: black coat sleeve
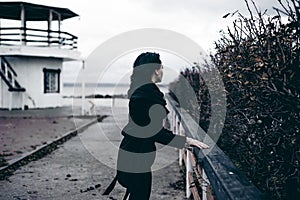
167 137
139 114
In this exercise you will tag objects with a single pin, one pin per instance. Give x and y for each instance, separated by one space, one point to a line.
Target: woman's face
159 74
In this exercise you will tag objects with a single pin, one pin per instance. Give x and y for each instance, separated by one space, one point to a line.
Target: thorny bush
259 59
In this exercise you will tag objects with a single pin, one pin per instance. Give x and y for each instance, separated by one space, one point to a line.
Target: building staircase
9 76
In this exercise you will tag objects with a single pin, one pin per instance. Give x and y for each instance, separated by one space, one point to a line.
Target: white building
31 59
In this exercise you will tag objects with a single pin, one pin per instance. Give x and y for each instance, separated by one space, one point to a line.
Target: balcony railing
18 36
212 176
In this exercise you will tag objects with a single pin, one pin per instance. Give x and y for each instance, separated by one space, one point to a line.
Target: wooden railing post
188 171
204 185
179 132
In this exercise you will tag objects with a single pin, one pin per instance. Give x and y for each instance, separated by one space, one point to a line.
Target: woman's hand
197 143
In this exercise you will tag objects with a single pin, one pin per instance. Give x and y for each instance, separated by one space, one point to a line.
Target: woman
147 110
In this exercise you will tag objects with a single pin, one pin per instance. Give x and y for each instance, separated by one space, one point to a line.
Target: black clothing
137 150
145 127
139 186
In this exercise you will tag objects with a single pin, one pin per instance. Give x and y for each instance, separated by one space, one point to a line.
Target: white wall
30 75
5 96
2 92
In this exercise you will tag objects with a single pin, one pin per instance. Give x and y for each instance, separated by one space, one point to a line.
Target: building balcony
20 41
20 36
25 40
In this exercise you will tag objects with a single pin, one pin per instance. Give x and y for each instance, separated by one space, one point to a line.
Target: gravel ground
83 166
22 134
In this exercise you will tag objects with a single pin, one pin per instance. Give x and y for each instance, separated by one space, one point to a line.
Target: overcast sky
100 20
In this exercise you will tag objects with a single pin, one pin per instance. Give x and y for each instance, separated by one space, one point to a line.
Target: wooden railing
210 174
15 36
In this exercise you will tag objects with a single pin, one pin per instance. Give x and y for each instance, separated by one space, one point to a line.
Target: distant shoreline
69 84
99 90
100 96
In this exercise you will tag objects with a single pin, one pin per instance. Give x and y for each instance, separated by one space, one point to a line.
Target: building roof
33 12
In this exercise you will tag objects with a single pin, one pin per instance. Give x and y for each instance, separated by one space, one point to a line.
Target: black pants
137 184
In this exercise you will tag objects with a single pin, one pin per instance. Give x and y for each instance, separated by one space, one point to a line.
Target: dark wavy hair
143 69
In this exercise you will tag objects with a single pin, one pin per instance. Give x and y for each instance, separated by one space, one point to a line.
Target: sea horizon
71 89
113 94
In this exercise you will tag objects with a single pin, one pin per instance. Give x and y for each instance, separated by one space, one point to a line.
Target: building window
51 80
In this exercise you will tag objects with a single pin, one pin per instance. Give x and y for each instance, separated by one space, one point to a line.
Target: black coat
145 127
